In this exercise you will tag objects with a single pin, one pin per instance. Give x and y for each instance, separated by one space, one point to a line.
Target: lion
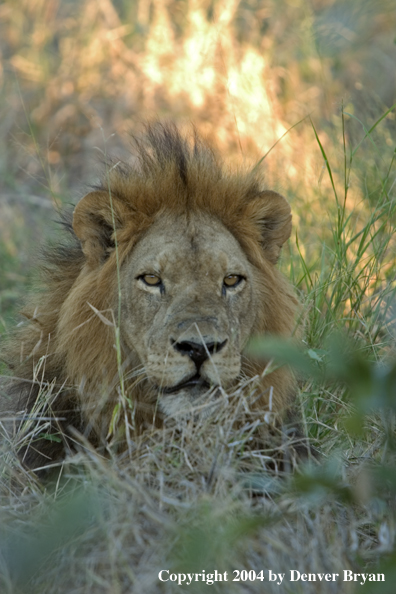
170 269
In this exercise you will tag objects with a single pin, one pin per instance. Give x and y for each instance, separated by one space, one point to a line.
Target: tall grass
211 495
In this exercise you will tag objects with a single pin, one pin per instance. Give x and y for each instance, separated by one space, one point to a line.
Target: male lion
170 271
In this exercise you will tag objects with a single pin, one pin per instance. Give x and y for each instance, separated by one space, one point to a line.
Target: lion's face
187 308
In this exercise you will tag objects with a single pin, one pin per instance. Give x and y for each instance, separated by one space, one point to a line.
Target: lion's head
174 272
195 249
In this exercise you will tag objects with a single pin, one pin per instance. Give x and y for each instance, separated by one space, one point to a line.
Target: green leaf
50 437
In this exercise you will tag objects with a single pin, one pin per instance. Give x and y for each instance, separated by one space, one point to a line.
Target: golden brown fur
100 333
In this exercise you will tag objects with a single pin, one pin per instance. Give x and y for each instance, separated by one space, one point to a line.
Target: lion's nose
198 352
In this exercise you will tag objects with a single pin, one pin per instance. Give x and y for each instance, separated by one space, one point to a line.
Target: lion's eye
232 280
151 279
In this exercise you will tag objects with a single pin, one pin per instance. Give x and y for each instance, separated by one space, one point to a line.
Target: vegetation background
308 88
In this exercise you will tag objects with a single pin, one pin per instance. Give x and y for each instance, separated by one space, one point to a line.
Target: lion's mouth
192 382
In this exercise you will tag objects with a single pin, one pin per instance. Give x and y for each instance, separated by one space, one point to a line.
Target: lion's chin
198 402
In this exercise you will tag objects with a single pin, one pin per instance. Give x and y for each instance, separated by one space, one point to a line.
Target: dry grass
75 77
189 497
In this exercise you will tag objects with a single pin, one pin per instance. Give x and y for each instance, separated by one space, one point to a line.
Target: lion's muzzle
199 352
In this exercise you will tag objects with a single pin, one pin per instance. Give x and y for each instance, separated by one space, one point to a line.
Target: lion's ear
272 213
95 219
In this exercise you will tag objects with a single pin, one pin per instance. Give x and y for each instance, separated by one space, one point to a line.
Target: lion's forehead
201 248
